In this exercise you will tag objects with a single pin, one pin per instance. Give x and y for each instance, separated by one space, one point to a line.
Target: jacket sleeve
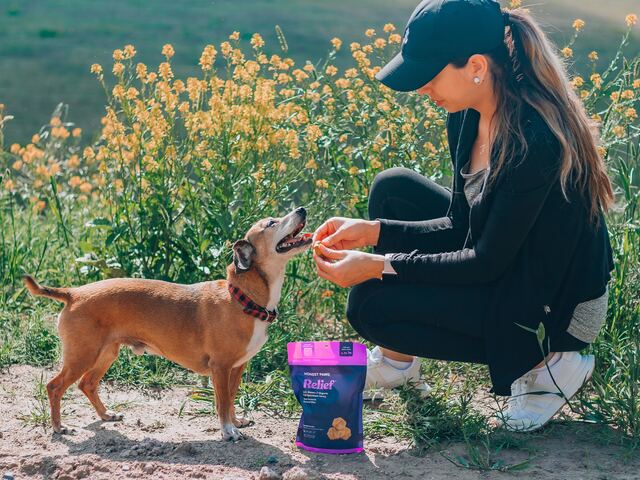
432 235
518 199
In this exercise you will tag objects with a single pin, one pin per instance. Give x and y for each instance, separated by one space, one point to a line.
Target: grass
161 196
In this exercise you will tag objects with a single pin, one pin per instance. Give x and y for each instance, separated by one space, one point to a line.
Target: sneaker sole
586 373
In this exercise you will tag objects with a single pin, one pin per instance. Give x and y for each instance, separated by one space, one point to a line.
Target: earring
476 80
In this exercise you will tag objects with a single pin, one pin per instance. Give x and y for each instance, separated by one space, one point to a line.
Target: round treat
333 434
339 423
346 433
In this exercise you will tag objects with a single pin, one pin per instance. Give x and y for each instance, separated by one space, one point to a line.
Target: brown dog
212 328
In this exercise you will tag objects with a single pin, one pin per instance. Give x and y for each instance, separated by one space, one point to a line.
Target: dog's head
271 242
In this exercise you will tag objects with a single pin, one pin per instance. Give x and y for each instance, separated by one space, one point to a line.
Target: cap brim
404 75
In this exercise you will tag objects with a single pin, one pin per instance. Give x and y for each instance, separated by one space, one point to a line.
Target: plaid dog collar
251 307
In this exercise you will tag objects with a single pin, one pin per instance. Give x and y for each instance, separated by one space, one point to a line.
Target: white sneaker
534 397
381 375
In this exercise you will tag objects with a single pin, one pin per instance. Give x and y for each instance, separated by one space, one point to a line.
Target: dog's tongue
306 236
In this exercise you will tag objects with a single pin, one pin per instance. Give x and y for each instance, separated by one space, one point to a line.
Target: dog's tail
60 294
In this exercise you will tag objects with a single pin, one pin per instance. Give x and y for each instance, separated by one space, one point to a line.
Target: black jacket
521 234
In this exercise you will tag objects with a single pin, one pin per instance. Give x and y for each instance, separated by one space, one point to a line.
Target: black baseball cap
438 32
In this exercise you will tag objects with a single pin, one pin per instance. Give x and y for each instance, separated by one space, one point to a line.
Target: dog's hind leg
221 377
75 363
91 380
234 384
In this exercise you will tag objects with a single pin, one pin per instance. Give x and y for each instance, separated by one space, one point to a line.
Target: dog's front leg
221 377
234 384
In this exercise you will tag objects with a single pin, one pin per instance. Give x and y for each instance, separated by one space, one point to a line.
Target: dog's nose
301 211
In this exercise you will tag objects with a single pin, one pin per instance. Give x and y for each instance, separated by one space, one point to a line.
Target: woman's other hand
342 233
346 268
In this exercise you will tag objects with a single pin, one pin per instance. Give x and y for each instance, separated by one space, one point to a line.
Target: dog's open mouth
292 240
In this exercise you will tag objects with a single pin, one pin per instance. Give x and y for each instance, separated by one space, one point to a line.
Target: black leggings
434 321
444 322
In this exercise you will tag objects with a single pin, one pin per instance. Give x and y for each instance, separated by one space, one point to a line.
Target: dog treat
328 380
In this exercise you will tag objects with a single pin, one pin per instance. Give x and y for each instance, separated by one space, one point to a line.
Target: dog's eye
271 223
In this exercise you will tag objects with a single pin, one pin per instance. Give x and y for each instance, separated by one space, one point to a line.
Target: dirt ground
155 442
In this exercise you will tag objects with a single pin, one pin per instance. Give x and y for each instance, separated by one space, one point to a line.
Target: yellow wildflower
375 164
311 164
257 41
354 46
167 50
596 79
208 57
118 68
618 131
615 96
636 83
96 69
9 185
17 165
627 94
15 148
75 181
370 32
322 183
86 187
331 70
35 138
578 24
577 82
118 55
631 19
129 51
354 171
389 27
601 151
76 132
593 56
380 43
39 206
327 294
336 42
234 36
395 38
567 52
631 113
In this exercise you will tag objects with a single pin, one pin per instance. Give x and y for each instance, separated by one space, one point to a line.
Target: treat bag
328 380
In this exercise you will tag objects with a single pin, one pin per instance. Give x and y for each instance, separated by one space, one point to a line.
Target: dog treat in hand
328 380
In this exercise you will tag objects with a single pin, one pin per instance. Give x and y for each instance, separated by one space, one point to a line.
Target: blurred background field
47 46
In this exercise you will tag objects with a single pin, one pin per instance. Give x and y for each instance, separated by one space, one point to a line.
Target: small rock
7 476
268 474
297 473
149 468
125 467
272 459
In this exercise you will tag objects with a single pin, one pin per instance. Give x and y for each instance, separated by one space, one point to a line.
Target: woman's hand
346 268
343 233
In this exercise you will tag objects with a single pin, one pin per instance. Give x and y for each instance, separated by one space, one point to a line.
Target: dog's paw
62 430
231 433
241 422
110 416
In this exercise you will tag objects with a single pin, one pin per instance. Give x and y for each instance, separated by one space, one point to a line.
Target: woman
469 274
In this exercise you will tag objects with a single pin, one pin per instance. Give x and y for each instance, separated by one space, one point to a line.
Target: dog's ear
243 253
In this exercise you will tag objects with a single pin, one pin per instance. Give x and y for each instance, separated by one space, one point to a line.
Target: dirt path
155 442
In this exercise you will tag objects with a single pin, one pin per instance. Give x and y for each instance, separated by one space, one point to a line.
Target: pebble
268 474
272 459
7 476
297 473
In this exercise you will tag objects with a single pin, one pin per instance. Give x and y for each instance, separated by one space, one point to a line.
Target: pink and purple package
328 380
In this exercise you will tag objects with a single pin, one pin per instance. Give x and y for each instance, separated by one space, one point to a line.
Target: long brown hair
527 69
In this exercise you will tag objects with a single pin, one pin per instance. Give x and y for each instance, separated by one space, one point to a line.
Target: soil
157 440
